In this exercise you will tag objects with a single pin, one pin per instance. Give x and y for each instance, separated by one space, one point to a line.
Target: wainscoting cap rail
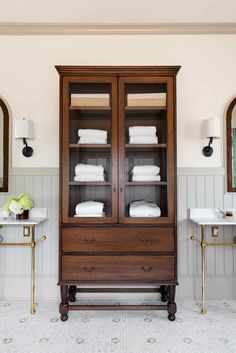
34 28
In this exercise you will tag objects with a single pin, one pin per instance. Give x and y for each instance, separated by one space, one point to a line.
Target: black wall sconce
24 130
210 130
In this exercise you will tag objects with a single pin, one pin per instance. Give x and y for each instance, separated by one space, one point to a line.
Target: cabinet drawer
117 268
117 239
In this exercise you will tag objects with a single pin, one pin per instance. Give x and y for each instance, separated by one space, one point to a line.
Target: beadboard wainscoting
42 184
197 187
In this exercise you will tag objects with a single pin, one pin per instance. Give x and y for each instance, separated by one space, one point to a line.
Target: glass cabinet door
147 154
89 150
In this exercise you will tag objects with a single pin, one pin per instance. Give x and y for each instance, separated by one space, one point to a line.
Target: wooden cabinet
124 244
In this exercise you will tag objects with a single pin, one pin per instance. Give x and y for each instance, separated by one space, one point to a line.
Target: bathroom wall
205 86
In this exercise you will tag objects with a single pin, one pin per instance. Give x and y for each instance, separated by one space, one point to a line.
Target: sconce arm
25 142
210 141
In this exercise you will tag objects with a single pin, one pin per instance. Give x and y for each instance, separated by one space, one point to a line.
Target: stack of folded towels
90 209
90 99
144 209
142 134
145 173
92 136
146 99
89 172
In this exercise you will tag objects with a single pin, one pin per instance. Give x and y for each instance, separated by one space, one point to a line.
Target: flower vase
24 215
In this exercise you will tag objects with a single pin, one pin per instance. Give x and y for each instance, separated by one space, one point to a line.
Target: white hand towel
143 139
93 140
81 169
145 170
142 131
146 178
144 209
89 177
101 134
89 207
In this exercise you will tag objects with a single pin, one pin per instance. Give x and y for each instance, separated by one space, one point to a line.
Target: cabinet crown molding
118 70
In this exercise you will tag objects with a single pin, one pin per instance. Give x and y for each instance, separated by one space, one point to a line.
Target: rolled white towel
146 178
142 139
89 207
142 131
93 140
81 169
89 177
145 170
144 209
100 134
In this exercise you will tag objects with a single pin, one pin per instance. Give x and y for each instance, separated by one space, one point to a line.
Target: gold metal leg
32 244
203 245
32 269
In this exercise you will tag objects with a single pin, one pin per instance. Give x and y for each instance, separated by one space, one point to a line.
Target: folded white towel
145 170
89 177
89 207
93 140
142 131
146 95
90 95
142 139
101 134
146 178
90 215
144 209
81 169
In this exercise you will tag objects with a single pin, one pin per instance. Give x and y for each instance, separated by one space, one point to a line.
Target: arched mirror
4 143
231 146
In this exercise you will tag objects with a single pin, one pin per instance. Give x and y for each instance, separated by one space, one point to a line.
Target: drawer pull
89 269
146 268
146 241
89 241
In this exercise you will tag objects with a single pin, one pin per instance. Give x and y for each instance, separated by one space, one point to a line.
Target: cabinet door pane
147 158
89 150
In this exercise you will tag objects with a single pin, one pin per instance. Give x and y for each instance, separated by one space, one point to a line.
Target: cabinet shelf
89 145
145 145
87 183
144 108
89 108
135 183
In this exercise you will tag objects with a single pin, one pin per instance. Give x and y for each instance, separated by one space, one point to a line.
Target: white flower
15 207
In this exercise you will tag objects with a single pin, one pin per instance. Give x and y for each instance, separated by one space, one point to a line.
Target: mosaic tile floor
118 332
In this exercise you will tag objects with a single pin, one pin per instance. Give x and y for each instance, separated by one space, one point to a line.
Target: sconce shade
211 128
23 129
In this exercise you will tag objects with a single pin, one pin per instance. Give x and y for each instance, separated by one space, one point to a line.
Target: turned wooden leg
164 295
63 308
72 294
171 305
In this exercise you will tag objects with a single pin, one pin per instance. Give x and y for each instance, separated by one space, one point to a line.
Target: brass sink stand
31 244
204 245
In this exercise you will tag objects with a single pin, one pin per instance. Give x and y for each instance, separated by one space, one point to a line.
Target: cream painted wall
82 11
206 83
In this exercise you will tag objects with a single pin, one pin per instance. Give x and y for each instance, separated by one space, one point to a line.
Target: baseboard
18 287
